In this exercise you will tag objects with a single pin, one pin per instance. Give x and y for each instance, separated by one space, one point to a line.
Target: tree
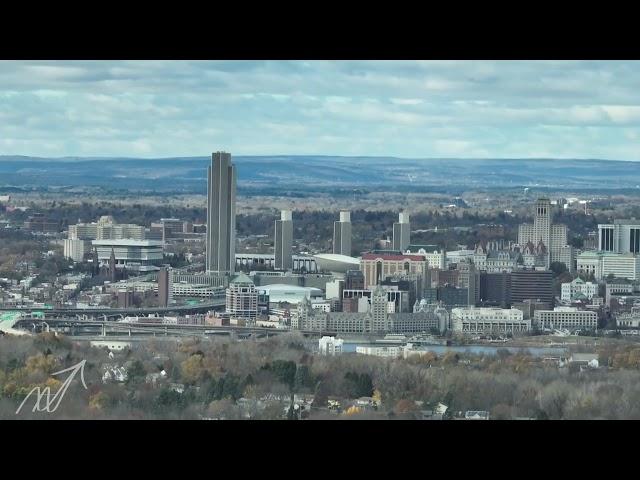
303 378
284 370
358 385
136 372
450 358
192 369
405 406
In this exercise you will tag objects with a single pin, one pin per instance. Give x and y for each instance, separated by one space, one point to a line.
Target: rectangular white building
140 255
569 318
330 345
498 320
623 236
602 264
76 249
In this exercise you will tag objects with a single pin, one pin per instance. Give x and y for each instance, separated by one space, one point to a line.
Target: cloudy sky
416 109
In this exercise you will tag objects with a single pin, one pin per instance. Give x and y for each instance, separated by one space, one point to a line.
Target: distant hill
188 174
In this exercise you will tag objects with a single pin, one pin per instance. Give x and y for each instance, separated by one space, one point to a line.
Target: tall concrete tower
542 222
342 234
164 287
221 214
283 241
379 313
401 232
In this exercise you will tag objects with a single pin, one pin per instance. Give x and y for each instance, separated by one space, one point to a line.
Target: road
200 307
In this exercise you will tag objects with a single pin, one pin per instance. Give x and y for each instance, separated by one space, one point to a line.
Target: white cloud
407 101
399 108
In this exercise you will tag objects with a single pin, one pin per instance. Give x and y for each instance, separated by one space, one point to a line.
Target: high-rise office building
125 298
164 287
621 237
354 280
379 312
242 299
495 289
106 228
342 234
76 249
401 232
532 285
553 236
221 214
283 241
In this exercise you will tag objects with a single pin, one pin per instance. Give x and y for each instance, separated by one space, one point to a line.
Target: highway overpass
76 327
216 304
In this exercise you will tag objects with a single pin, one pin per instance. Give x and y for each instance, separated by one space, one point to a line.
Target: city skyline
406 109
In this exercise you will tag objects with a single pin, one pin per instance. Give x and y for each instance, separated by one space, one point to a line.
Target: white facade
456 256
386 351
435 259
570 290
324 306
602 264
569 318
330 345
495 261
477 320
299 262
623 236
623 266
629 320
332 289
242 299
130 253
110 344
183 289
590 263
76 249
106 229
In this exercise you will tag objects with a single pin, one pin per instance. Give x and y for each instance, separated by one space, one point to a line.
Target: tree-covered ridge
195 379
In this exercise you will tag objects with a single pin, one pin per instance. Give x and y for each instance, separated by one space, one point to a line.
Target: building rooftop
242 278
584 357
127 243
392 257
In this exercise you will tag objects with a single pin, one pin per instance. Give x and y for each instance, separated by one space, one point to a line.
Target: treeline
207 378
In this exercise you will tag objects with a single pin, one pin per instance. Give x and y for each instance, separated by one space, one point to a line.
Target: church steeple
112 266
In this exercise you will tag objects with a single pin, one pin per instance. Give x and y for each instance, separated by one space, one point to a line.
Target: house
333 403
476 415
154 377
177 387
585 359
441 409
366 403
114 374
301 405
437 413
